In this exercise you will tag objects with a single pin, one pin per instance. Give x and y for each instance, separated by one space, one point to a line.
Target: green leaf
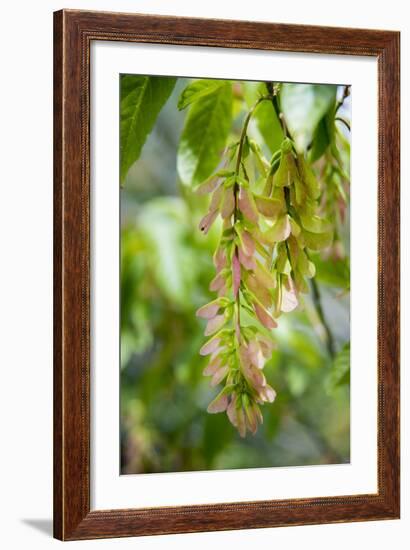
163 225
251 92
267 122
204 135
324 135
196 90
142 98
341 369
269 125
297 379
335 273
303 106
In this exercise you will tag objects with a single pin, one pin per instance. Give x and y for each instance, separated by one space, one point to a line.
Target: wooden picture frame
73 33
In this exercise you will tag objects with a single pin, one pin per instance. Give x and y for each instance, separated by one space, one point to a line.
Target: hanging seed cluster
262 265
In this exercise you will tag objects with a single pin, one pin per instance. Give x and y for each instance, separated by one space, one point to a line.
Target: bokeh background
166 267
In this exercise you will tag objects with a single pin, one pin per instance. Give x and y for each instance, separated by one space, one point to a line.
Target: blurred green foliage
166 267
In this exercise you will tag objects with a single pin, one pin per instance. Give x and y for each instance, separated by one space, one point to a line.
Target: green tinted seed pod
282 259
314 223
317 241
280 230
308 177
267 206
294 227
287 171
300 282
286 145
300 191
306 267
267 190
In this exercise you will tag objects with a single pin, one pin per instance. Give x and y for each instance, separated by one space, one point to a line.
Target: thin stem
344 121
346 93
275 103
245 129
236 193
317 300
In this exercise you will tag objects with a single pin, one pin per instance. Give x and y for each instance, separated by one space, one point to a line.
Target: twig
340 119
317 300
272 92
346 94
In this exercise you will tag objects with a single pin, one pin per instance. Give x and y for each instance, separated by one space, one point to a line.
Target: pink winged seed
241 425
264 317
289 300
219 404
214 324
219 259
228 203
210 346
266 346
251 419
231 412
248 243
289 297
208 311
209 185
247 205
248 262
212 367
254 376
255 354
217 282
267 394
207 221
216 199
219 375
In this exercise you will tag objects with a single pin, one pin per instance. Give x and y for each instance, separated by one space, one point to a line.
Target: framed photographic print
226 280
